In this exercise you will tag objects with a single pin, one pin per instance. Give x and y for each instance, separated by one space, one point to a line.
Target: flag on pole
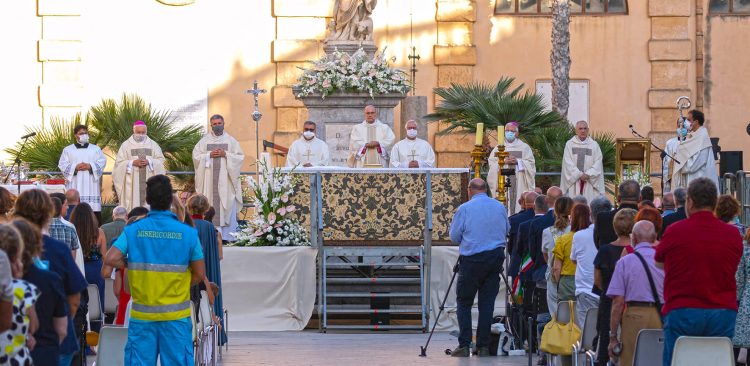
517 291
527 263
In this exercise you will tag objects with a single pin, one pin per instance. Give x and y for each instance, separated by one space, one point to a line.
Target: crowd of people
53 248
685 269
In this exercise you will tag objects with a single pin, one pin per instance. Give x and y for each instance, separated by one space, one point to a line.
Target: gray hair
580 199
629 190
120 212
540 204
598 205
680 197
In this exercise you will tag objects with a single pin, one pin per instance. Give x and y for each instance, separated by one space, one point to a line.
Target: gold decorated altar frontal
381 206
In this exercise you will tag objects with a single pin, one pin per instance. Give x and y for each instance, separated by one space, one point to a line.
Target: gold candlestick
501 156
477 154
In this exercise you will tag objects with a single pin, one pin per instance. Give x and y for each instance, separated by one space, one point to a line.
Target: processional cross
414 57
256 117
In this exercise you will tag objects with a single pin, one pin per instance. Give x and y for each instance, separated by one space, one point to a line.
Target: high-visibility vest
159 250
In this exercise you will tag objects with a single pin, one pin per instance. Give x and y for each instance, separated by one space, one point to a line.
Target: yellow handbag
559 338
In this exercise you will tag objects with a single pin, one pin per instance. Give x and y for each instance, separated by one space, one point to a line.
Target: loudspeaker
731 162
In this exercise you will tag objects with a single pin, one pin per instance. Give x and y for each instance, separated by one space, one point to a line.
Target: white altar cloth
49 188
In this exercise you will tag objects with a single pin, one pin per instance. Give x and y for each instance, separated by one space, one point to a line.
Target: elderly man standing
680 198
138 159
631 284
700 256
308 151
628 193
218 159
163 257
582 170
479 227
113 229
520 158
668 204
370 141
412 152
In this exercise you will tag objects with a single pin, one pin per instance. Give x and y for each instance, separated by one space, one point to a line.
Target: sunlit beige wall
152 49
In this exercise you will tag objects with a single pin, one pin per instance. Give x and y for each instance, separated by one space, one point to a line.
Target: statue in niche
351 20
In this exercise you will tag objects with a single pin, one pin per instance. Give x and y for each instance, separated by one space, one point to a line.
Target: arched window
739 7
577 7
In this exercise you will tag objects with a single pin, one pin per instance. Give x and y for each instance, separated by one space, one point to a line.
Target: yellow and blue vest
159 249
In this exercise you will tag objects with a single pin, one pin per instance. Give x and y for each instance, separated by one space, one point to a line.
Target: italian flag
527 263
517 290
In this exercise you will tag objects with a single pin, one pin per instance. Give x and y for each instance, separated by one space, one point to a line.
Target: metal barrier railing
742 194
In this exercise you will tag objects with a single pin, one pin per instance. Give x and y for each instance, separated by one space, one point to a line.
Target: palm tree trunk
560 56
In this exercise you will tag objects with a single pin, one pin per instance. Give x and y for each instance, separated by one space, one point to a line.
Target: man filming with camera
480 228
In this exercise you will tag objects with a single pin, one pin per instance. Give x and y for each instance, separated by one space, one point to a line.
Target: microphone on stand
31 134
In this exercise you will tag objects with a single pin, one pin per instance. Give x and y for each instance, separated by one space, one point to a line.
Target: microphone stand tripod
661 170
17 164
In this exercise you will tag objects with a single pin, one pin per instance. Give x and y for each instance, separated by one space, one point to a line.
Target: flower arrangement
271 224
340 71
635 173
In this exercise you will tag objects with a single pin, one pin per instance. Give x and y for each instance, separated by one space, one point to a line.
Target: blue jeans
697 323
478 273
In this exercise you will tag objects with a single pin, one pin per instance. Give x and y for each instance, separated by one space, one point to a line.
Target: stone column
455 56
413 107
670 53
61 91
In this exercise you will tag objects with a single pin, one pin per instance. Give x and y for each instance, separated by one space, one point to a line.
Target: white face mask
139 138
411 133
83 139
308 135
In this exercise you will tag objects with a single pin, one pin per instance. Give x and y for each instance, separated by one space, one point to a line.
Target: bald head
553 193
477 185
370 113
668 202
644 232
529 200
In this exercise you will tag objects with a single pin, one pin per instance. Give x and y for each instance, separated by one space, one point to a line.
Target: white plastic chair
649 348
563 316
95 306
702 351
110 300
586 344
111 351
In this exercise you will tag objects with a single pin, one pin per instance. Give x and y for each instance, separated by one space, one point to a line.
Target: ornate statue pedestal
350 47
339 112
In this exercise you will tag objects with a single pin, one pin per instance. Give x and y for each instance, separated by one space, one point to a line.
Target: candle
501 135
479 141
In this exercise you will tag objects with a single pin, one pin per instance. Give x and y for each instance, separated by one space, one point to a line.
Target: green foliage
43 151
463 106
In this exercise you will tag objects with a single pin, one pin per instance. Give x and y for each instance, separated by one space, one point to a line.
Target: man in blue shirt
480 228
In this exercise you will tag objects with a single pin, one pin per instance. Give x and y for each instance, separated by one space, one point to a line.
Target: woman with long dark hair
93 244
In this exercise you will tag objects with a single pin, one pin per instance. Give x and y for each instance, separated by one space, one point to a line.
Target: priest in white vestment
582 170
138 159
218 159
695 154
308 150
370 141
82 164
521 158
412 152
667 162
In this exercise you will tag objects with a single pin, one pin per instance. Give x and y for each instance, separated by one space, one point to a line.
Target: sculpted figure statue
351 20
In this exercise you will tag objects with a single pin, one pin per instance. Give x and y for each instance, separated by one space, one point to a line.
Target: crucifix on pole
414 57
256 117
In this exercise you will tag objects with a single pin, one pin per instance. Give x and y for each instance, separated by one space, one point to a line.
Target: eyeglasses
308 129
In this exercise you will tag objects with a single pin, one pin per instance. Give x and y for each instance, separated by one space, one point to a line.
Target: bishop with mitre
138 159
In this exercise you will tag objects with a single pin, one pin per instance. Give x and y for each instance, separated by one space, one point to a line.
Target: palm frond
43 151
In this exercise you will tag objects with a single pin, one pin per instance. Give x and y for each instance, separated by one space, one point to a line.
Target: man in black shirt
680 195
628 194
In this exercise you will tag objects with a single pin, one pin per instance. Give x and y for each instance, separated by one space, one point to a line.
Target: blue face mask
510 136
41 264
682 132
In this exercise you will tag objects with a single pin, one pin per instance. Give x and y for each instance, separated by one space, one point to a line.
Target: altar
380 245
49 188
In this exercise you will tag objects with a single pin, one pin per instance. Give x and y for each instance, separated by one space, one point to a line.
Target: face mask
218 130
510 136
139 138
687 124
308 134
83 138
682 132
411 133
39 263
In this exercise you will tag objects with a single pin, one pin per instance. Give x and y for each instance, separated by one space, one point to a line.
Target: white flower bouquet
340 71
271 224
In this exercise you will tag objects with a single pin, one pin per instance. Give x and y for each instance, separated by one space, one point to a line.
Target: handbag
654 293
559 338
